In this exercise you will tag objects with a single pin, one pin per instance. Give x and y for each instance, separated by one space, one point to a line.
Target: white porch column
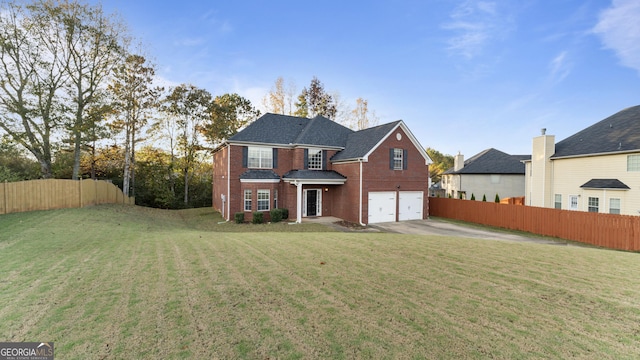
299 202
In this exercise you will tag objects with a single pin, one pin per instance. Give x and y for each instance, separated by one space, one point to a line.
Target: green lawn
114 282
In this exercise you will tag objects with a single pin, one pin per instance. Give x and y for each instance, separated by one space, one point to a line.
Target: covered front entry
309 188
312 202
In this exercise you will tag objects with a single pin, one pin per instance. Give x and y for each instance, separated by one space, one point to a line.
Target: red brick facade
342 201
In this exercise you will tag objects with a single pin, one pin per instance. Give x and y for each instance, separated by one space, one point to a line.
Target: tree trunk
127 163
186 187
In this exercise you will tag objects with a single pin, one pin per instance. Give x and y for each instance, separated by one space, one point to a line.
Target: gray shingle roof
492 161
314 174
284 130
324 132
604 184
619 132
359 143
259 174
272 129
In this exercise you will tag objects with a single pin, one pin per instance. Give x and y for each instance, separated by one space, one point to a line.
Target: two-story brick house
317 167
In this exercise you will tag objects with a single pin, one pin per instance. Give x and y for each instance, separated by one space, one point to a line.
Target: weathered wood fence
606 230
57 194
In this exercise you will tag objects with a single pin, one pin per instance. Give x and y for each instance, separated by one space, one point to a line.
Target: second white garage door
382 206
410 206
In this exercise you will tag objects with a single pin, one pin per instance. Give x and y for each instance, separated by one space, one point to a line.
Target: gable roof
619 132
492 161
278 129
360 143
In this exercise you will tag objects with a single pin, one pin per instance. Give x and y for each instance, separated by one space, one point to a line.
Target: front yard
114 282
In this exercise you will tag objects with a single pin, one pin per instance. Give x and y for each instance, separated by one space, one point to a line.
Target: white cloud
475 24
560 67
619 30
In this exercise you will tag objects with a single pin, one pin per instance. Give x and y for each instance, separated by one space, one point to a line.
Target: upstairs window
259 157
314 159
633 163
398 159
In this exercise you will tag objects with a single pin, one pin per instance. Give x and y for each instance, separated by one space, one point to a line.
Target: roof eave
594 154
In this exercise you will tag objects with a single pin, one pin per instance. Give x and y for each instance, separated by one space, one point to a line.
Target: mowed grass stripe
127 282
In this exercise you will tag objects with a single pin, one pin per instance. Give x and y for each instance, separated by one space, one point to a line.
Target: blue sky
464 75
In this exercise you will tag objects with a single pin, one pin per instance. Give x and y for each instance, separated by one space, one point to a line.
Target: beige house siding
570 174
509 185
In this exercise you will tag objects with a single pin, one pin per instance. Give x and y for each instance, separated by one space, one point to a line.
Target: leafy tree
440 164
315 101
190 107
14 164
229 113
55 57
94 45
134 99
32 72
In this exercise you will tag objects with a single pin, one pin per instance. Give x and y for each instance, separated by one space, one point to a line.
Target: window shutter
391 158
245 155
324 159
275 158
306 158
404 159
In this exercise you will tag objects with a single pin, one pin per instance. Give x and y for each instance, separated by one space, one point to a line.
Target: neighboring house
596 169
317 167
487 173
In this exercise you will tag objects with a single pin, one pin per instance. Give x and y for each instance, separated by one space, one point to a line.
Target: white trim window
260 157
558 201
633 162
398 159
247 200
614 206
594 204
263 200
314 159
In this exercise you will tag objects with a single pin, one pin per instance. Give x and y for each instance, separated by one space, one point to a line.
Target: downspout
544 173
228 182
360 206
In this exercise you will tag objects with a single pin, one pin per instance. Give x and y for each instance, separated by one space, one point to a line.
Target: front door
312 202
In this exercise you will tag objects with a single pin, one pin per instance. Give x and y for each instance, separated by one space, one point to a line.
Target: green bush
285 213
497 198
258 218
238 217
473 197
276 215
484 197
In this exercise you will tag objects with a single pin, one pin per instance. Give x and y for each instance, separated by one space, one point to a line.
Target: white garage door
382 206
410 207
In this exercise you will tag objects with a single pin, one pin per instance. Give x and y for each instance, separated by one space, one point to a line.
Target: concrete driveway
444 228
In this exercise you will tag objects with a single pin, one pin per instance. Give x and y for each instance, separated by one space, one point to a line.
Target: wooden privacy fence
57 194
606 230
